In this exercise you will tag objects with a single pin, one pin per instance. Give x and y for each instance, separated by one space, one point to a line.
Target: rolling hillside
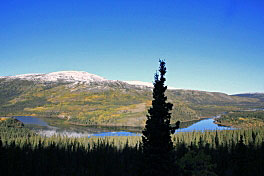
86 99
259 96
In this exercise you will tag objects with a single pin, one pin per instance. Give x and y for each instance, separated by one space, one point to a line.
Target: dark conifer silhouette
157 143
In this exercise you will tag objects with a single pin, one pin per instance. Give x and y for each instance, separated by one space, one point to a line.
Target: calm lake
40 126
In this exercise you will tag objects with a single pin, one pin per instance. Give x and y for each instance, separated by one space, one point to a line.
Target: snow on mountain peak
75 77
140 83
66 76
146 84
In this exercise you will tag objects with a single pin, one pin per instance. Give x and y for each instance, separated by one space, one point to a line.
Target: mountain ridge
86 78
67 76
98 101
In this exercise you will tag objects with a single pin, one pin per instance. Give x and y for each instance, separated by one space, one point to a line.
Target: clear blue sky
208 45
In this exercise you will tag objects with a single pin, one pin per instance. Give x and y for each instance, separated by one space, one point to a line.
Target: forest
227 152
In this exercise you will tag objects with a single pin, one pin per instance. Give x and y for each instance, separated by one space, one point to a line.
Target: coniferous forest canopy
227 152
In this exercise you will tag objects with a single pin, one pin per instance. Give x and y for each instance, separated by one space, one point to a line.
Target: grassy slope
208 104
259 96
243 119
116 105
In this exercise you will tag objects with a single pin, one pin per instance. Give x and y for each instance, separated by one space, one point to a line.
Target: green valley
242 119
108 103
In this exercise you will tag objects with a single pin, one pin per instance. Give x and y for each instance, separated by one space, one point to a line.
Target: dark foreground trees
157 144
196 153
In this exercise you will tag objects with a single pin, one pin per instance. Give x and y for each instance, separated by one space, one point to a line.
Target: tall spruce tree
157 143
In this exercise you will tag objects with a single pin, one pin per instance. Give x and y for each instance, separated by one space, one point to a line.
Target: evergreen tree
157 143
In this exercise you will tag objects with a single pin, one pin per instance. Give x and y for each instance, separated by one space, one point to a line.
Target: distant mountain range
259 96
88 99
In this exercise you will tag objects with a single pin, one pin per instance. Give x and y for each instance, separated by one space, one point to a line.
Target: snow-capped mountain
76 77
85 98
144 84
65 76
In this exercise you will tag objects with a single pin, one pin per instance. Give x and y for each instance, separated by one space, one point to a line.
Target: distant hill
259 96
87 99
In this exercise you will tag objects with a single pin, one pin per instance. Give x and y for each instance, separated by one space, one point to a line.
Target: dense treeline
243 119
11 128
234 152
106 159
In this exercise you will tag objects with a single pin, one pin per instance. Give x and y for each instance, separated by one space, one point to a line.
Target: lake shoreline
50 126
66 123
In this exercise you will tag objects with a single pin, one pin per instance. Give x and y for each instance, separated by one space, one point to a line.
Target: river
40 126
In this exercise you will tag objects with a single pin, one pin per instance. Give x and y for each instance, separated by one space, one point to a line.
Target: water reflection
119 133
42 128
206 124
31 120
